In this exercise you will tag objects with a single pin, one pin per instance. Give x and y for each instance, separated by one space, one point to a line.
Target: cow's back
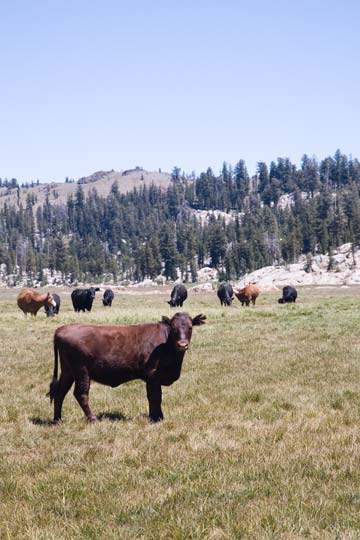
76 296
30 301
248 294
253 291
181 291
225 291
179 295
289 294
53 310
108 297
112 354
79 299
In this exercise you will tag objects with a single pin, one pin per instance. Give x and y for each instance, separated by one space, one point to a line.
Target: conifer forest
270 218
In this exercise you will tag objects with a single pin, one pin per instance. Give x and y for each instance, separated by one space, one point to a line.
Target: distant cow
53 310
83 298
30 301
248 294
108 297
112 355
178 296
225 294
289 295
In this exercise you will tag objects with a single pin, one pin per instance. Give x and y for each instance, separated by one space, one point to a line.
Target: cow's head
50 300
228 296
181 329
281 301
91 292
172 302
49 310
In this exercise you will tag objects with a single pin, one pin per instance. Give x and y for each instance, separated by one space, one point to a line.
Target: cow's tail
54 383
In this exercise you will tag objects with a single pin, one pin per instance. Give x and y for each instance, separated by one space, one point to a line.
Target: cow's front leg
153 392
81 392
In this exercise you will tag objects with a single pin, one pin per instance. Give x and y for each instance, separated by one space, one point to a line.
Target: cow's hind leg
62 387
153 392
81 393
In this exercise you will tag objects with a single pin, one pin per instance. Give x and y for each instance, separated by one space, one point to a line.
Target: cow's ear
97 289
199 319
165 320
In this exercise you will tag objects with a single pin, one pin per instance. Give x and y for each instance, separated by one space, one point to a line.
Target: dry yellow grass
260 438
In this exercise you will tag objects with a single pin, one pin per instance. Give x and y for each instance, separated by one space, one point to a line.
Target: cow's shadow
113 416
107 415
37 421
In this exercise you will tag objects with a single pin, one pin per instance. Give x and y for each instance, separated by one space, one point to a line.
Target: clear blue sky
88 85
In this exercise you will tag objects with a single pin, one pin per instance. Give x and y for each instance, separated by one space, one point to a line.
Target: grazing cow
225 294
178 296
108 297
289 295
83 298
30 301
112 355
248 294
53 310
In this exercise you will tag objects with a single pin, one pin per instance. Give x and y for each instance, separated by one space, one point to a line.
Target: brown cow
30 301
112 355
247 294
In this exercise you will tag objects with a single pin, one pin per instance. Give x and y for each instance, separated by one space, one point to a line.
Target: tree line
273 217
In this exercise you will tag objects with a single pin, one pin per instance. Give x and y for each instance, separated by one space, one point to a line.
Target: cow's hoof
92 419
56 422
155 419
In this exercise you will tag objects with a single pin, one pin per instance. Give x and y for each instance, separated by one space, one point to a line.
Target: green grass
260 439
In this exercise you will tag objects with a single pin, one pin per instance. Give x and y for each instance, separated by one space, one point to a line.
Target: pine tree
216 241
310 174
242 182
168 251
59 254
263 177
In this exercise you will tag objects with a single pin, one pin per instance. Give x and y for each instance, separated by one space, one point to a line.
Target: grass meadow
260 440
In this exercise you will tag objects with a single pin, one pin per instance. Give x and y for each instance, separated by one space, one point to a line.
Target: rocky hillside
102 181
341 268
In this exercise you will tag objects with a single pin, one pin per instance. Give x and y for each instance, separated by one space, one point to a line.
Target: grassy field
260 439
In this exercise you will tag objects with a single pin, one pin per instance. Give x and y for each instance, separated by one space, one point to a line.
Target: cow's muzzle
183 345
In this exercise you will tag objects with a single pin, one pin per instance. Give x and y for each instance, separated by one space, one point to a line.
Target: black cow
178 296
289 295
115 354
83 298
108 297
225 294
53 310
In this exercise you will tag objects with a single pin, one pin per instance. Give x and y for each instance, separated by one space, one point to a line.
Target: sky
88 85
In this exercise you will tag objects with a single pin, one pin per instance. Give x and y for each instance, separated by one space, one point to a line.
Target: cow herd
30 301
115 354
249 293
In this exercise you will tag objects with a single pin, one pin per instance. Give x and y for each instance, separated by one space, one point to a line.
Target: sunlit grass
260 438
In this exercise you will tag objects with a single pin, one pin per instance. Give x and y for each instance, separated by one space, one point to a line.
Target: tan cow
30 301
247 294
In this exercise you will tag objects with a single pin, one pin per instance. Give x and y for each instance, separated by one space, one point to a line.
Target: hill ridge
58 192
